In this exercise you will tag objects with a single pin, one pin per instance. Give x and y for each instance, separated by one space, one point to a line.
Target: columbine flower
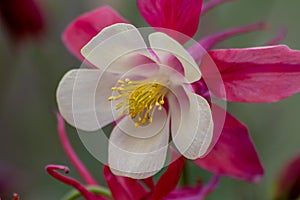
22 18
85 27
265 74
138 144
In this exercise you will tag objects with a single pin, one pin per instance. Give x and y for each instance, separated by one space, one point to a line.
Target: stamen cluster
140 99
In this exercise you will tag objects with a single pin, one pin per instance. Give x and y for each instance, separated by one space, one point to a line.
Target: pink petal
117 190
179 15
133 186
262 74
194 193
149 182
234 154
185 193
122 187
169 180
86 26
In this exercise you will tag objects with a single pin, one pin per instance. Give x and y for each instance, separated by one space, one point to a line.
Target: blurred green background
30 72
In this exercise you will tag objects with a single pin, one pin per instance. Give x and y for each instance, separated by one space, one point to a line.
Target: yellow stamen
140 99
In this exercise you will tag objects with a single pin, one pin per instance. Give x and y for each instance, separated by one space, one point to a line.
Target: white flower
143 89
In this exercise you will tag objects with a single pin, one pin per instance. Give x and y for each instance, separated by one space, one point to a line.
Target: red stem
210 186
212 4
82 170
52 170
279 37
210 41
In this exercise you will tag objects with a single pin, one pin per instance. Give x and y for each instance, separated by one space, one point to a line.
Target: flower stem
211 185
211 4
52 170
74 194
185 174
279 37
199 49
210 41
82 170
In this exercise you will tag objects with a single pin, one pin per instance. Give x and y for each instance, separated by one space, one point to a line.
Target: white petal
82 98
103 35
127 125
142 71
163 45
192 125
137 158
113 48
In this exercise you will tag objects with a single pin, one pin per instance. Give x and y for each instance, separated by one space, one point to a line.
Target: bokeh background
31 69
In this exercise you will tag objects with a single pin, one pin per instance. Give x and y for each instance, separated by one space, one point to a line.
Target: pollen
139 99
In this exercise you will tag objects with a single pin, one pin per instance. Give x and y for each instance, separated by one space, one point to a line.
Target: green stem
74 194
185 174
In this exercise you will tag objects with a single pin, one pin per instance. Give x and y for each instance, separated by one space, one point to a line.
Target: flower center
140 99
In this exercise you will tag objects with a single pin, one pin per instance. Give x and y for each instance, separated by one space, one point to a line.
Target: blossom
261 74
141 89
22 18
